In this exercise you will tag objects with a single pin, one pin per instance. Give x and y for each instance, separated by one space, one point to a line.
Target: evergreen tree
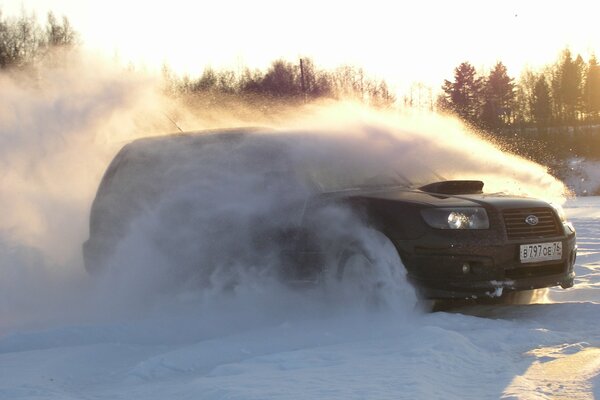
463 96
592 90
568 88
499 97
524 95
541 103
558 108
578 78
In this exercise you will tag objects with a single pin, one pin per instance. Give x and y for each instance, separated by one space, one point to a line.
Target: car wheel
358 276
371 273
354 264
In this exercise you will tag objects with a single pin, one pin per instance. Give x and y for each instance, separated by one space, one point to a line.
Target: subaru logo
532 220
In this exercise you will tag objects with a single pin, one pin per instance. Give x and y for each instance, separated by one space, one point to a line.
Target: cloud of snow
203 243
428 145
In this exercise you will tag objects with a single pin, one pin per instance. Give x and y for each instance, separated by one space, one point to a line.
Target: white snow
266 345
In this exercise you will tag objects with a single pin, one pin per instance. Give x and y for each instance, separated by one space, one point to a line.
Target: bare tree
59 34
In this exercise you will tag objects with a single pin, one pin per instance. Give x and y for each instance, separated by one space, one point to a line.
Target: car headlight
456 218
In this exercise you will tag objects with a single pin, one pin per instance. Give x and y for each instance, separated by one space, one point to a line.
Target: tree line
562 97
287 81
563 94
24 42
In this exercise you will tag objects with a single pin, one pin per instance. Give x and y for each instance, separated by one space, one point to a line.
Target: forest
548 114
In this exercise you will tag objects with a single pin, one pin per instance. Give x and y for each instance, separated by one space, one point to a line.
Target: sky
402 42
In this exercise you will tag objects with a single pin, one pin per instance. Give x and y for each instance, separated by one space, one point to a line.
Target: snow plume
58 130
425 146
199 237
56 135
217 224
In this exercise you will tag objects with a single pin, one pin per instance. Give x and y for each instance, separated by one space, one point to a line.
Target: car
250 193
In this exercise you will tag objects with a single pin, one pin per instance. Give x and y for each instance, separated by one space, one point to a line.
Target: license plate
541 252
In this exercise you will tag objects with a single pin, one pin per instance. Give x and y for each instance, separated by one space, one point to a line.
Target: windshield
333 174
332 180
332 163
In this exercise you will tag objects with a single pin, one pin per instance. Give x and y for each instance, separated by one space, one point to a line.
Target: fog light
466 268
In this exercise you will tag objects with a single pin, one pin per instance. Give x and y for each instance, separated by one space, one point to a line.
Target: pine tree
541 103
567 87
499 96
463 96
592 90
523 97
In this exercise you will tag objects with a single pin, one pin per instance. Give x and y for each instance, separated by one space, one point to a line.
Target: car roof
198 137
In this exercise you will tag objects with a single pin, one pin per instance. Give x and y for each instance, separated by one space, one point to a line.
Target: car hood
415 196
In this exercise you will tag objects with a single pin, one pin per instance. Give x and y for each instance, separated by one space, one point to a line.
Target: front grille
517 228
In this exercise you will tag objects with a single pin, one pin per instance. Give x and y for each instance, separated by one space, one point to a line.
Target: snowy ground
538 351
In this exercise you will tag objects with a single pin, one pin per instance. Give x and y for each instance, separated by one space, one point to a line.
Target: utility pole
302 79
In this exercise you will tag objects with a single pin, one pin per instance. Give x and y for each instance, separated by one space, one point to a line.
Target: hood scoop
454 187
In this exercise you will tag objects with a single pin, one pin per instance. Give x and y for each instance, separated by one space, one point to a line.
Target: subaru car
454 240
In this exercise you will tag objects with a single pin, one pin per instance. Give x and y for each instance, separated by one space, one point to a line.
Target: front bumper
484 269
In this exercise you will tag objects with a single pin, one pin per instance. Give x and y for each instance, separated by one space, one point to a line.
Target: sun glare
401 42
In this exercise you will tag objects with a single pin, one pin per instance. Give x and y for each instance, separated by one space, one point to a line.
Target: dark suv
454 240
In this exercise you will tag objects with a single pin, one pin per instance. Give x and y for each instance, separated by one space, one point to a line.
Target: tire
355 264
371 273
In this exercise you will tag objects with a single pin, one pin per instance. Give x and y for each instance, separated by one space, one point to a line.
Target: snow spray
190 249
